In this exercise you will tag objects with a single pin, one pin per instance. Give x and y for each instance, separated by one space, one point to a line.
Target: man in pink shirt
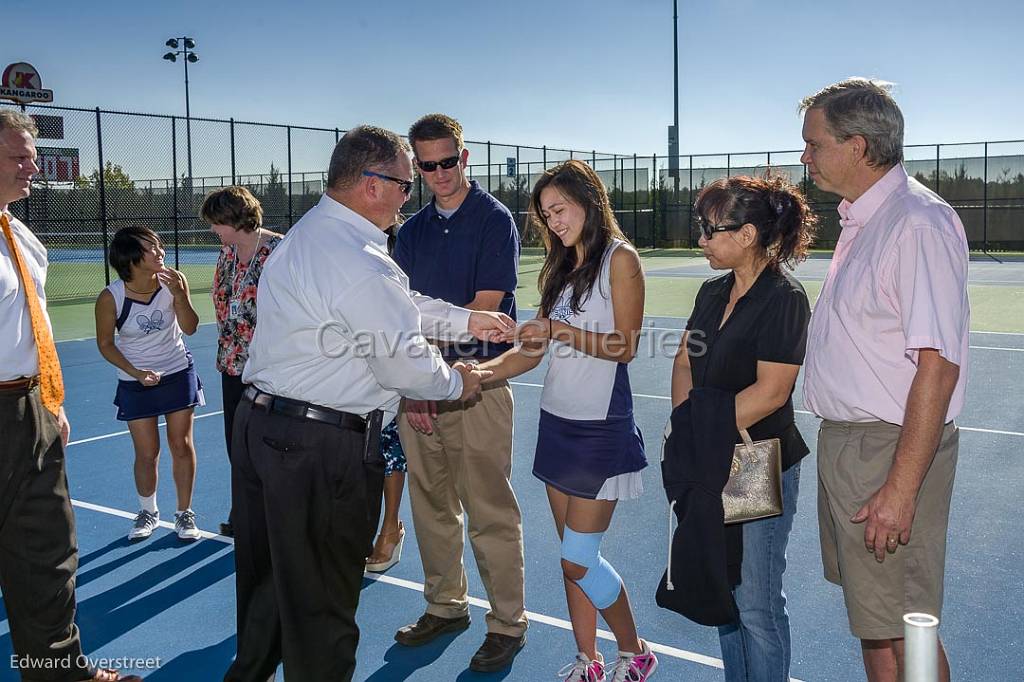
885 370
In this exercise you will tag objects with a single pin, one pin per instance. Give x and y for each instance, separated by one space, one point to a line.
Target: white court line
665 397
682 654
93 338
125 433
663 317
1013 350
529 385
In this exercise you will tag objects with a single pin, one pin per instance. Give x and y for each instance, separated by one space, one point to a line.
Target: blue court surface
164 600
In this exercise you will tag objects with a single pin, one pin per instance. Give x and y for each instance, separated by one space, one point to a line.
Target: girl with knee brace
589 451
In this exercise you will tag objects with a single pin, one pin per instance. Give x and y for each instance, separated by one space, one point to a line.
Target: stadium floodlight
187 44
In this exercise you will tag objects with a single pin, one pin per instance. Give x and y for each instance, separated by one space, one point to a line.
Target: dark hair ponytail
785 223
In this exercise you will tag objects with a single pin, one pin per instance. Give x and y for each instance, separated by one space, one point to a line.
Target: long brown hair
580 184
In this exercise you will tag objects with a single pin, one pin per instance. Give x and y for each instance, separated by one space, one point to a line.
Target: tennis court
162 599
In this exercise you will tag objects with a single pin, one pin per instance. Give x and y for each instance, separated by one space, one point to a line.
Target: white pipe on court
921 639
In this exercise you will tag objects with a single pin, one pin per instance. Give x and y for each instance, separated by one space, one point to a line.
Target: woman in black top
747 334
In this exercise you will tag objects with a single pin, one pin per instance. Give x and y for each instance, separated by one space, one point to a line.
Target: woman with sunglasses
590 453
747 334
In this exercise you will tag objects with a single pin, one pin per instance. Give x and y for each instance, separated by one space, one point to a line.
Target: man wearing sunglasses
345 340
463 247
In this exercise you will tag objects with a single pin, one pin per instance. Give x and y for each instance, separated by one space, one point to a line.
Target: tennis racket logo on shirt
561 313
151 323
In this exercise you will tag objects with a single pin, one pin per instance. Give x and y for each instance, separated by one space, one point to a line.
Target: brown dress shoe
428 628
496 652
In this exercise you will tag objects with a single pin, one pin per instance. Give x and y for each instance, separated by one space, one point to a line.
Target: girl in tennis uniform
589 451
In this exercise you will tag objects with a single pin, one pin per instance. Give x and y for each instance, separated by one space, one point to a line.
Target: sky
580 74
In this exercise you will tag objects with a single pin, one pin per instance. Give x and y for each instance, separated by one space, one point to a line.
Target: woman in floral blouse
236 217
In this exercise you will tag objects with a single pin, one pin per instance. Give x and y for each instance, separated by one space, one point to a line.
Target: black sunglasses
431 166
709 230
404 185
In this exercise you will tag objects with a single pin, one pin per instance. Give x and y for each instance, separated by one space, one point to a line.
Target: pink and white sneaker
635 667
583 669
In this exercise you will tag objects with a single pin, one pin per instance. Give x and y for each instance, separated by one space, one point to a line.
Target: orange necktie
51 385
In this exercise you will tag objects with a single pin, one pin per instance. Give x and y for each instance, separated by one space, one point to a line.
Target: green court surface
673 278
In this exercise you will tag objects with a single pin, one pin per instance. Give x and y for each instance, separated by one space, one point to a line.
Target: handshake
421 414
472 378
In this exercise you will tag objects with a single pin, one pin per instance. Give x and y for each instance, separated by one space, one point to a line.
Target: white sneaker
583 669
145 523
185 525
635 667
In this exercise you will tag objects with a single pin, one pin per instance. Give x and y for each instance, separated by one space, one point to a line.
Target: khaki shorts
853 462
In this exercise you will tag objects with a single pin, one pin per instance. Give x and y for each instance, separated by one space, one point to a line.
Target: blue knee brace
601 583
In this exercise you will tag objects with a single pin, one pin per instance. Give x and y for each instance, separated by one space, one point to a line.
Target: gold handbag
754 489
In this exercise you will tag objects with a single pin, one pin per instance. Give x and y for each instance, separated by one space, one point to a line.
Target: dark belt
297 408
19 384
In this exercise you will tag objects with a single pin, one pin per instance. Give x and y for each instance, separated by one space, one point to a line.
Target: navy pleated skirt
177 391
579 457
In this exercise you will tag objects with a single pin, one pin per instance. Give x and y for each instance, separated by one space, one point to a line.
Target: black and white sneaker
185 526
145 523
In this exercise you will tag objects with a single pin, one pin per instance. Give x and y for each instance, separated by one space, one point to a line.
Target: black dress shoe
227 530
428 628
496 652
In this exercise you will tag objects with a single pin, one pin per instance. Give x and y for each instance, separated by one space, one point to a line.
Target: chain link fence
156 170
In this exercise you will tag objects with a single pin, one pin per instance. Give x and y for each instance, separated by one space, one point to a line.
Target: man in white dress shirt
341 338
38 547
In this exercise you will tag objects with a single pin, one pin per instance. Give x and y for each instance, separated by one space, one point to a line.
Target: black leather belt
297 408
19 384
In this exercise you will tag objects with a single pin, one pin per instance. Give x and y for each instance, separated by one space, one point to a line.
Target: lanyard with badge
235 301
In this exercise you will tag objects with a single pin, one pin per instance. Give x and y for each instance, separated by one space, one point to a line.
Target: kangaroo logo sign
22 84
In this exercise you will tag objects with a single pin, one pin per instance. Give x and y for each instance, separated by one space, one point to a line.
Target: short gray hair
865 107
360 149
12 119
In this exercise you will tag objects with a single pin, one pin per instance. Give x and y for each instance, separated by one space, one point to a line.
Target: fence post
545 157
291 220
174 174
984 204
937 147
488 166
636 225
103 196
615 183
233 152
689 211
653 200
517 185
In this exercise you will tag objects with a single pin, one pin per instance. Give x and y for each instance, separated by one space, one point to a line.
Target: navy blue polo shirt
476 249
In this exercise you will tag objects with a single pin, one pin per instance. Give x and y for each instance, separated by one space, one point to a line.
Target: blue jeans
757 648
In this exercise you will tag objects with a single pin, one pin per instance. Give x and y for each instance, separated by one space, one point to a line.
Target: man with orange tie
38 548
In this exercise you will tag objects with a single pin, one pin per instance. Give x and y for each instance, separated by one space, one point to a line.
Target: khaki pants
460 475
853 462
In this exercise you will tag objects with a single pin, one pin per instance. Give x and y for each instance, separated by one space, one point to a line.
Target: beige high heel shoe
387 551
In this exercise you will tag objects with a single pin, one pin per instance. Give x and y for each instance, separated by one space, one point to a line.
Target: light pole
187 55
673 137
